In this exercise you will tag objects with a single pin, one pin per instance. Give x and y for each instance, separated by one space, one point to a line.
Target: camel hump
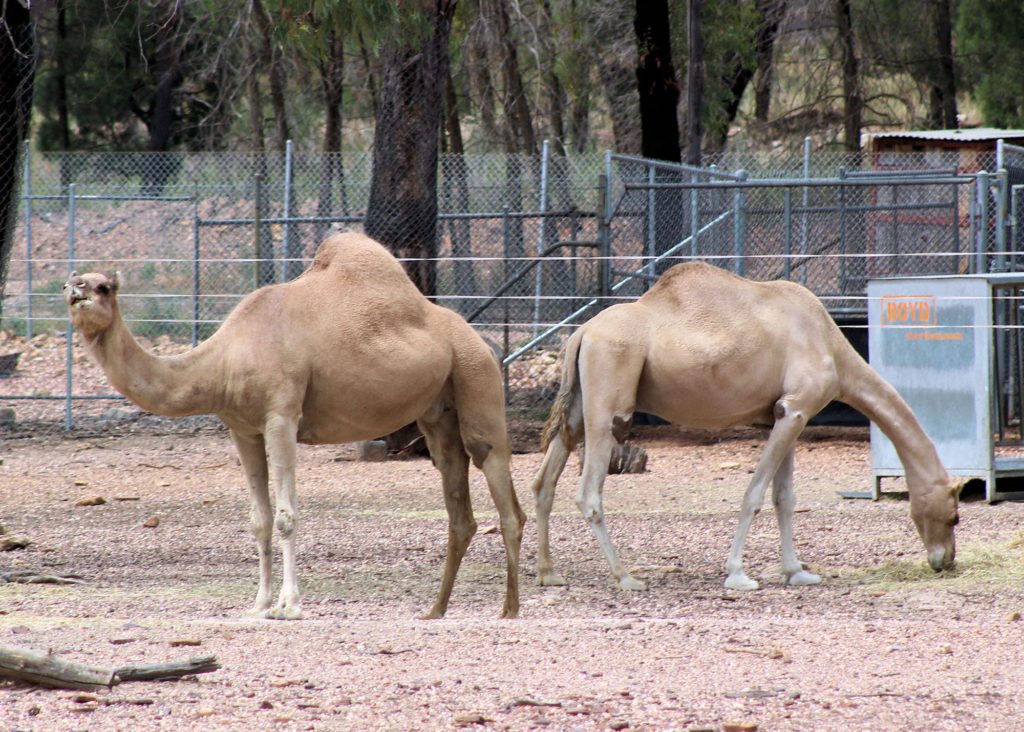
360 258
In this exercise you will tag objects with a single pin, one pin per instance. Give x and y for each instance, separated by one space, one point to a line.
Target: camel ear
116 280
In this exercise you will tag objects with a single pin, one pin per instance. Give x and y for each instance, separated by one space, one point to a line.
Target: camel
348 351
706 348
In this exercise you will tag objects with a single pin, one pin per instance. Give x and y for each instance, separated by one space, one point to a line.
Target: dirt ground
882 643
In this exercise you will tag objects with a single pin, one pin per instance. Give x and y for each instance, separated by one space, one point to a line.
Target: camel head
92 301
936 515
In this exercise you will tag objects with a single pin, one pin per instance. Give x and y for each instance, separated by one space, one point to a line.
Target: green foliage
992 55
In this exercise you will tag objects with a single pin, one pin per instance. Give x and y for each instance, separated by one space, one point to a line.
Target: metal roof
975 134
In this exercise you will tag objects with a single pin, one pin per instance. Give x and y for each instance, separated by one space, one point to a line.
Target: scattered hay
976 564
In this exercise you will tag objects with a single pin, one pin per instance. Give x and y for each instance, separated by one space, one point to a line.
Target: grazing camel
708 349
348 351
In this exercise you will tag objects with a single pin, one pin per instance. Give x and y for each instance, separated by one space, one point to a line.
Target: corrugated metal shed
967 150
978 136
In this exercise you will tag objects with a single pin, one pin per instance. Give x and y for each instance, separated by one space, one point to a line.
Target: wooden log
48 669
172 670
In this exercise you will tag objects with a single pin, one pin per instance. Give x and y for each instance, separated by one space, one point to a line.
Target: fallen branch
29 577
49 669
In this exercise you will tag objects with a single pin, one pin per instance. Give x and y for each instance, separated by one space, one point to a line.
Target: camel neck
881 403
170 386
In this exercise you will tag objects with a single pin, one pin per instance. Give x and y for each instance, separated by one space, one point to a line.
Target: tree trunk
332 71
271 61
17 64
517 109
695 83
402 208
656 82
480 76
944 89
852 102
159 118
772 12
659 124
456 196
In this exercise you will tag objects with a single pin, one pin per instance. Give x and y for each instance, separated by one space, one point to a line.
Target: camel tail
560 422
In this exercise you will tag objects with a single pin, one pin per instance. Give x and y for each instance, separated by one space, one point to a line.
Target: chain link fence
528 248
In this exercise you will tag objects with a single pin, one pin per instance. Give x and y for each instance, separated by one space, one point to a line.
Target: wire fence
527 248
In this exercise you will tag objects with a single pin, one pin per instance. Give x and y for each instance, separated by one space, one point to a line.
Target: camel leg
590 501
784 498
495 465
451 460
544 497
281 439
788 425
608 382
254 462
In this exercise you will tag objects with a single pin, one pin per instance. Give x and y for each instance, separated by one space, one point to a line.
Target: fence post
1001 186
788 218
842 229
28 237
739 224
651 249
69 361
542 204
981 244
195 265
604 250
803 204
287 253
264 266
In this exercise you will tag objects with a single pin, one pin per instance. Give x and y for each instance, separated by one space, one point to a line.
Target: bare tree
853 103
17 65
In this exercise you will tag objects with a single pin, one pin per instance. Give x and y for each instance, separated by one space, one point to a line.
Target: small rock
152 522
728 466
266 704
205 712
84 698
373 451
739 727
91 501
185 642
8 417
464 720
121 414
1013 617
945 648
12 542
618 724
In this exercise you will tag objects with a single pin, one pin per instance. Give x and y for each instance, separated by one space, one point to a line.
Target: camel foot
803 577
629 582
740 581
551 579
284 612
510 611
259 610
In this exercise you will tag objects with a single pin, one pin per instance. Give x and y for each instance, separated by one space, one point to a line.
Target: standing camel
708 349
350 350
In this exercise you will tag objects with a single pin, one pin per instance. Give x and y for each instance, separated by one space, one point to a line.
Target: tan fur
708 349
348 351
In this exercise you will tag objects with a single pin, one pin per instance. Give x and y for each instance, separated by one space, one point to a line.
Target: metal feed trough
951 345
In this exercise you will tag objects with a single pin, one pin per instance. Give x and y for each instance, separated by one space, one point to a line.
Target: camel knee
590 509
285 522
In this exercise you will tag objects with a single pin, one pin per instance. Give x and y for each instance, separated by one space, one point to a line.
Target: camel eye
103 289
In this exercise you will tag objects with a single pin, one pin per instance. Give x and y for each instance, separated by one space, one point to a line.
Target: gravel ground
883 643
